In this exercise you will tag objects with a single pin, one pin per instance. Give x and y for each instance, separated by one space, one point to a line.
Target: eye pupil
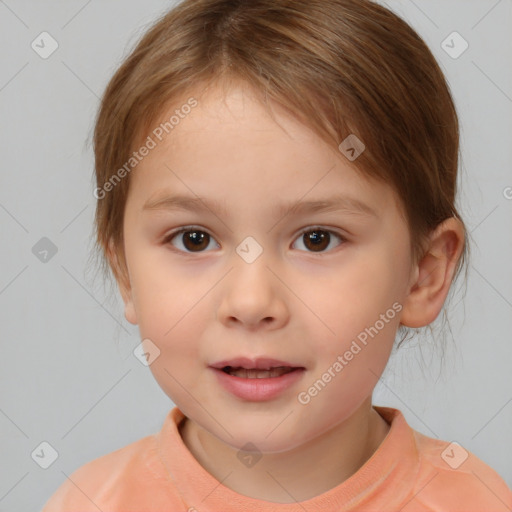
320 239
197 238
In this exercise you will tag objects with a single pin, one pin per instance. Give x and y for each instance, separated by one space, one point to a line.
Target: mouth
256 380
260 368
253 373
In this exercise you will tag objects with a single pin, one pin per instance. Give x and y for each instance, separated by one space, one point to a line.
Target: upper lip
261 363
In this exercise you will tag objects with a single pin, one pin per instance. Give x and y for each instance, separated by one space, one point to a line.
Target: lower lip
258 390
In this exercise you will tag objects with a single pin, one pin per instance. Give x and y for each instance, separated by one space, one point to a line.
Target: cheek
173 317
172 307
163 293
355 297
360 311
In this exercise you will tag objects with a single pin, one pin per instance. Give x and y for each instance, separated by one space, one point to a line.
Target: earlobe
434 274
129 312
123 282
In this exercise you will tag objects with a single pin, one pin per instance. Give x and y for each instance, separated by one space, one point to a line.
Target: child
276 198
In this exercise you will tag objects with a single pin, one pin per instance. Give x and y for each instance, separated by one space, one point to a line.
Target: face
286 253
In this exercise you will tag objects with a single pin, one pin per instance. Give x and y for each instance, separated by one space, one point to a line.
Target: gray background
68 375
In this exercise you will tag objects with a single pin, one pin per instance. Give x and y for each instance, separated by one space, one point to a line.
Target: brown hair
339 66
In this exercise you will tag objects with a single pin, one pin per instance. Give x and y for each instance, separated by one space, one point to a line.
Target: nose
252 297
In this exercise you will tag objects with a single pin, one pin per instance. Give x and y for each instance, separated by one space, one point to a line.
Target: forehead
230 148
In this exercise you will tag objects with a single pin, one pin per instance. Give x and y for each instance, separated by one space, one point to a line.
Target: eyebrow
330 204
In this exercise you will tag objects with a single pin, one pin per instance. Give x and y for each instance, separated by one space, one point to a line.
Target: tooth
260 374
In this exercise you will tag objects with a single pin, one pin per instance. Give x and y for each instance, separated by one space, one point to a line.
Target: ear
433 274
123 282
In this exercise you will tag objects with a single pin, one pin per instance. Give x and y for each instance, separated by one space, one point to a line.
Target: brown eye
317 239
190 240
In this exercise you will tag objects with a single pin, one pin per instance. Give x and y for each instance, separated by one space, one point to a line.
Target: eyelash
171 236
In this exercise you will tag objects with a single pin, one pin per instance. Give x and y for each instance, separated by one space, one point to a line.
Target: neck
286 477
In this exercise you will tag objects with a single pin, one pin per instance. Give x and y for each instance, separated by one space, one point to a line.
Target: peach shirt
408 472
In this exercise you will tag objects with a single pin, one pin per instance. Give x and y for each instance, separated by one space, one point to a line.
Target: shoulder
452 478
117 479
